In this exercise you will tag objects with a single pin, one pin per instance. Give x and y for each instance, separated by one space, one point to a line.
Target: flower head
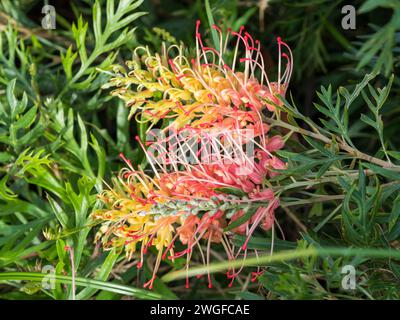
208 175
205 91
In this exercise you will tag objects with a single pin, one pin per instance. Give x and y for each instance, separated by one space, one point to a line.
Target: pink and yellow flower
185 202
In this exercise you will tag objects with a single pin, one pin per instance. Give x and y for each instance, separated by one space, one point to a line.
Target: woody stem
342 145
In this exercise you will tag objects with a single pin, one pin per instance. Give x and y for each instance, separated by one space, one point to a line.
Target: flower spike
210 165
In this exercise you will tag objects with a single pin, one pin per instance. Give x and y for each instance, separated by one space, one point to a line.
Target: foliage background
60 135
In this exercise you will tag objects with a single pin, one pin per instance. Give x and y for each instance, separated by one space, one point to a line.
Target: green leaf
231 190
5 157
27 119
247 216
370 5
211 24
391 174
5 192
83 282
102 274
59 212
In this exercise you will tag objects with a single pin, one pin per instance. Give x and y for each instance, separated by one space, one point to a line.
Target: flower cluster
209 175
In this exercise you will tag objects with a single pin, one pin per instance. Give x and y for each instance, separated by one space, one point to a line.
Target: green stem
285 256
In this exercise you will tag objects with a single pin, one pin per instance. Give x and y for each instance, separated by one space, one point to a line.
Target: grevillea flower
204 91
210 174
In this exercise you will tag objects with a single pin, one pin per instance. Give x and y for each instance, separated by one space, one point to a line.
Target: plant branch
342 145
